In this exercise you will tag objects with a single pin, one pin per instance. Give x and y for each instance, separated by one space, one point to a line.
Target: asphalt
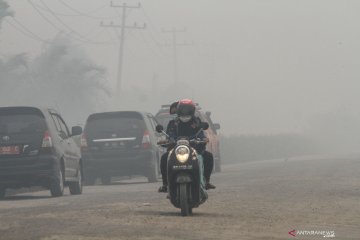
257 200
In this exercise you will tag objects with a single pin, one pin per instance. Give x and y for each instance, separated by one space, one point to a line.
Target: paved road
259 200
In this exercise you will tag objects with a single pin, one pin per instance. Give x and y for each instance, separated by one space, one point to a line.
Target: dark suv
163 117
120 144
36 149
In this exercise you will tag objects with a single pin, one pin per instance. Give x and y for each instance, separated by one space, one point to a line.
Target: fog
260 67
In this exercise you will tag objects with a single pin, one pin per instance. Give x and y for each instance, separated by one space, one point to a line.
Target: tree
4 10
14 76
62 77
67 79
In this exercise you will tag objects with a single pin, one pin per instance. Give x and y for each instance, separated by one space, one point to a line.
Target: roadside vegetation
246 148
61 76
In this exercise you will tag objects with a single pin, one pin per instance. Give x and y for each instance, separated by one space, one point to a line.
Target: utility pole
122 26
174 45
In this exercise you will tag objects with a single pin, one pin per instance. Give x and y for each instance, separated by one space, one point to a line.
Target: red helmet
186 108
187 101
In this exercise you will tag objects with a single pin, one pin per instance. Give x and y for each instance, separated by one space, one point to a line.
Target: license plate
114 145
182 167
9 150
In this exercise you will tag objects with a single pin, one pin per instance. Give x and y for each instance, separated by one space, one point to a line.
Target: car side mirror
77 130
216 126
208 114
159 128
204 125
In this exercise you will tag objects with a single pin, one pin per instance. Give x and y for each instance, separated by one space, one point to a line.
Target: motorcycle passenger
173 108
187 125
208 167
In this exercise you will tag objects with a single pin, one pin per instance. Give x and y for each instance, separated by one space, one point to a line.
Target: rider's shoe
163 189
209 186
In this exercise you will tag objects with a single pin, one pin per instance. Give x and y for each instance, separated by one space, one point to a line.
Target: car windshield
21 123
115 126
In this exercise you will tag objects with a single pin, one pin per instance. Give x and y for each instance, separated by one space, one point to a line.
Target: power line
151 24
64 24
25 31
110 42
158 44
78 13
44 17
174 45
149 44
59 13
81 38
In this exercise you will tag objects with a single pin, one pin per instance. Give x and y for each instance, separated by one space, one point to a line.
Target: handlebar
199 141
167 143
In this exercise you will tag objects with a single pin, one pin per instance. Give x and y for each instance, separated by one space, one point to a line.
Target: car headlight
182 153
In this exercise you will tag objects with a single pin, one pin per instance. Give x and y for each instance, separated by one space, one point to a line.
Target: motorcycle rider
186 124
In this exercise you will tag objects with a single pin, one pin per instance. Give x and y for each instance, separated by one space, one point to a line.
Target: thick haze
261 67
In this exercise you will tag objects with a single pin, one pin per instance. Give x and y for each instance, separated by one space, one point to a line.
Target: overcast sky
259 66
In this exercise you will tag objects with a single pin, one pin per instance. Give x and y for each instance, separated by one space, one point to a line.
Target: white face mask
185 118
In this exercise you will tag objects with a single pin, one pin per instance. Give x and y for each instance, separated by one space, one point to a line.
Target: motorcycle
186 184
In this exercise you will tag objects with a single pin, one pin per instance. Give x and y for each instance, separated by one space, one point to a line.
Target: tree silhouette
62 77
4 10
66 78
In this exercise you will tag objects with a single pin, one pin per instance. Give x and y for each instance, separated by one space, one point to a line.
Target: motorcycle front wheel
184 200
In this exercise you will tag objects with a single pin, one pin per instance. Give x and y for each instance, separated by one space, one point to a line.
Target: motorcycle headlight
182 153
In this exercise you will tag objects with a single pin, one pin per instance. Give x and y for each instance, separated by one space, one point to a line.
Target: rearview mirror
77 130
204 125
159 128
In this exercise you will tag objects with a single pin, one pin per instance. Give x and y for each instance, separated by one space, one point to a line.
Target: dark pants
208 166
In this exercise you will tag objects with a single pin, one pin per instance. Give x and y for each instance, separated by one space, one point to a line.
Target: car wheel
2 193
77 187
57 184
106 180
153 173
